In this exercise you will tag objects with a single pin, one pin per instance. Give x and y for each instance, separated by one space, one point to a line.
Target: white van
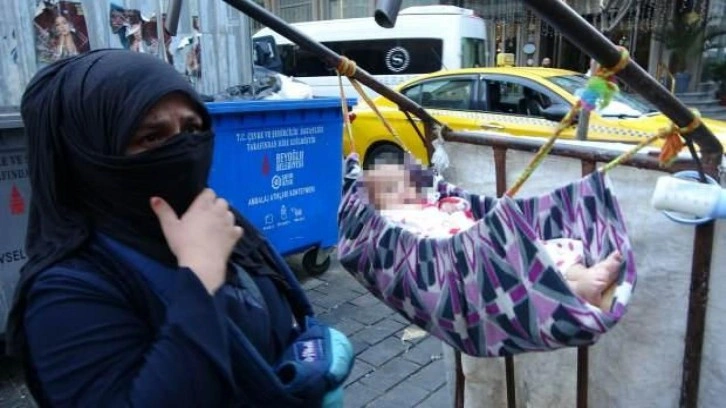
425 39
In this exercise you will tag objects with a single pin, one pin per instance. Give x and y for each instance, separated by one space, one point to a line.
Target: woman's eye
152 139
193 128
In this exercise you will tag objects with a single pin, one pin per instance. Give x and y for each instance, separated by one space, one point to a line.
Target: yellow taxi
515 101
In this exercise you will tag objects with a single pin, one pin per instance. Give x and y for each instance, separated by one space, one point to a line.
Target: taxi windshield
623 105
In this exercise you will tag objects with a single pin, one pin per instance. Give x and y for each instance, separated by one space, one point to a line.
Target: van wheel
387 153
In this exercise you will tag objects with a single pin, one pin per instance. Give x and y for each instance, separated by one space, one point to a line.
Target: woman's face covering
106 131
172 115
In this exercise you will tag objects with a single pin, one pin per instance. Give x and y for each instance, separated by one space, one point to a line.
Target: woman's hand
203 238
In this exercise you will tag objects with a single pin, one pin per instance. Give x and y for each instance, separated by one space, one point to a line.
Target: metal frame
588 39
700 271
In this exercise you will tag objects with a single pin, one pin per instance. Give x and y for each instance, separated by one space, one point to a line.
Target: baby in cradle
395 190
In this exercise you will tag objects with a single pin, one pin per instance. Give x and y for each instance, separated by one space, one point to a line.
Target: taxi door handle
492 126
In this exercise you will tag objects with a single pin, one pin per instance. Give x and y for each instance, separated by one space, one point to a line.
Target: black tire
310 263
385 153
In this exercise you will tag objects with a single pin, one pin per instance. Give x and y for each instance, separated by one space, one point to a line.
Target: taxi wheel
387 153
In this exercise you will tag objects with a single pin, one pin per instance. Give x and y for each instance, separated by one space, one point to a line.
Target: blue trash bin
14 206
683 81
279 163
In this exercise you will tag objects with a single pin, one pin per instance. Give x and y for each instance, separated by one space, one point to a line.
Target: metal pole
634 35
387 12
172 17
697 308
583 124
245 52
559 15
160 34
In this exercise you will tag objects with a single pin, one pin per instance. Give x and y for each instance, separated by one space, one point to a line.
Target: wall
638 363
226 57
226 47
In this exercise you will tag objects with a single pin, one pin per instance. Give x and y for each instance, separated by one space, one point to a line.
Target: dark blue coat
99 335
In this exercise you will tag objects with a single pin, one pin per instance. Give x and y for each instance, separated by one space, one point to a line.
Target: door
451 99
519 106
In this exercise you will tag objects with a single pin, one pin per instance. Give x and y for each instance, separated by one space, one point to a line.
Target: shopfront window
364 8
412 3
349 8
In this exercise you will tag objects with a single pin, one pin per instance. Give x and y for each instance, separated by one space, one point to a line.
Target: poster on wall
60 30
189 46
133 30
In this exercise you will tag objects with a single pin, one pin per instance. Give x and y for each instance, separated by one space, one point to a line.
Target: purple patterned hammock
492 290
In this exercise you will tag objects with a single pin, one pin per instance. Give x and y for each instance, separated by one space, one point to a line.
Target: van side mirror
264 50
556 112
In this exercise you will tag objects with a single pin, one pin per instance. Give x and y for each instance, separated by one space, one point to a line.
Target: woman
142 287
67 41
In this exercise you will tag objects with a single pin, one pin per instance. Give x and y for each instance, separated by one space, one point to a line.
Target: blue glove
317 363
334 399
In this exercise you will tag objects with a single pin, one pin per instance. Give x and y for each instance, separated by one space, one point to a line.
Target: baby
396 192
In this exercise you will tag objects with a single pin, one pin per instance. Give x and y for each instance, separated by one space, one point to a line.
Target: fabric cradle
492 290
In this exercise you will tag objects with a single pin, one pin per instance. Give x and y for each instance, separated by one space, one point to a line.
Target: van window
473 52
297 62
378 57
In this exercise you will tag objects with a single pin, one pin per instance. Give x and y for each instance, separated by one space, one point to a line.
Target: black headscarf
80 114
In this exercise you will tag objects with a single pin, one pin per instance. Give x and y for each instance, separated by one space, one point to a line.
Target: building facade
515 29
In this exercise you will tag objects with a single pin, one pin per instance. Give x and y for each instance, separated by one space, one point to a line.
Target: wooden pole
583 121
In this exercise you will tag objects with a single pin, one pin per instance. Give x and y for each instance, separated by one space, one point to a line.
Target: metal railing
589 157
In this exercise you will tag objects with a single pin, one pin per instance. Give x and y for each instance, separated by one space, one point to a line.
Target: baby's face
389 186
